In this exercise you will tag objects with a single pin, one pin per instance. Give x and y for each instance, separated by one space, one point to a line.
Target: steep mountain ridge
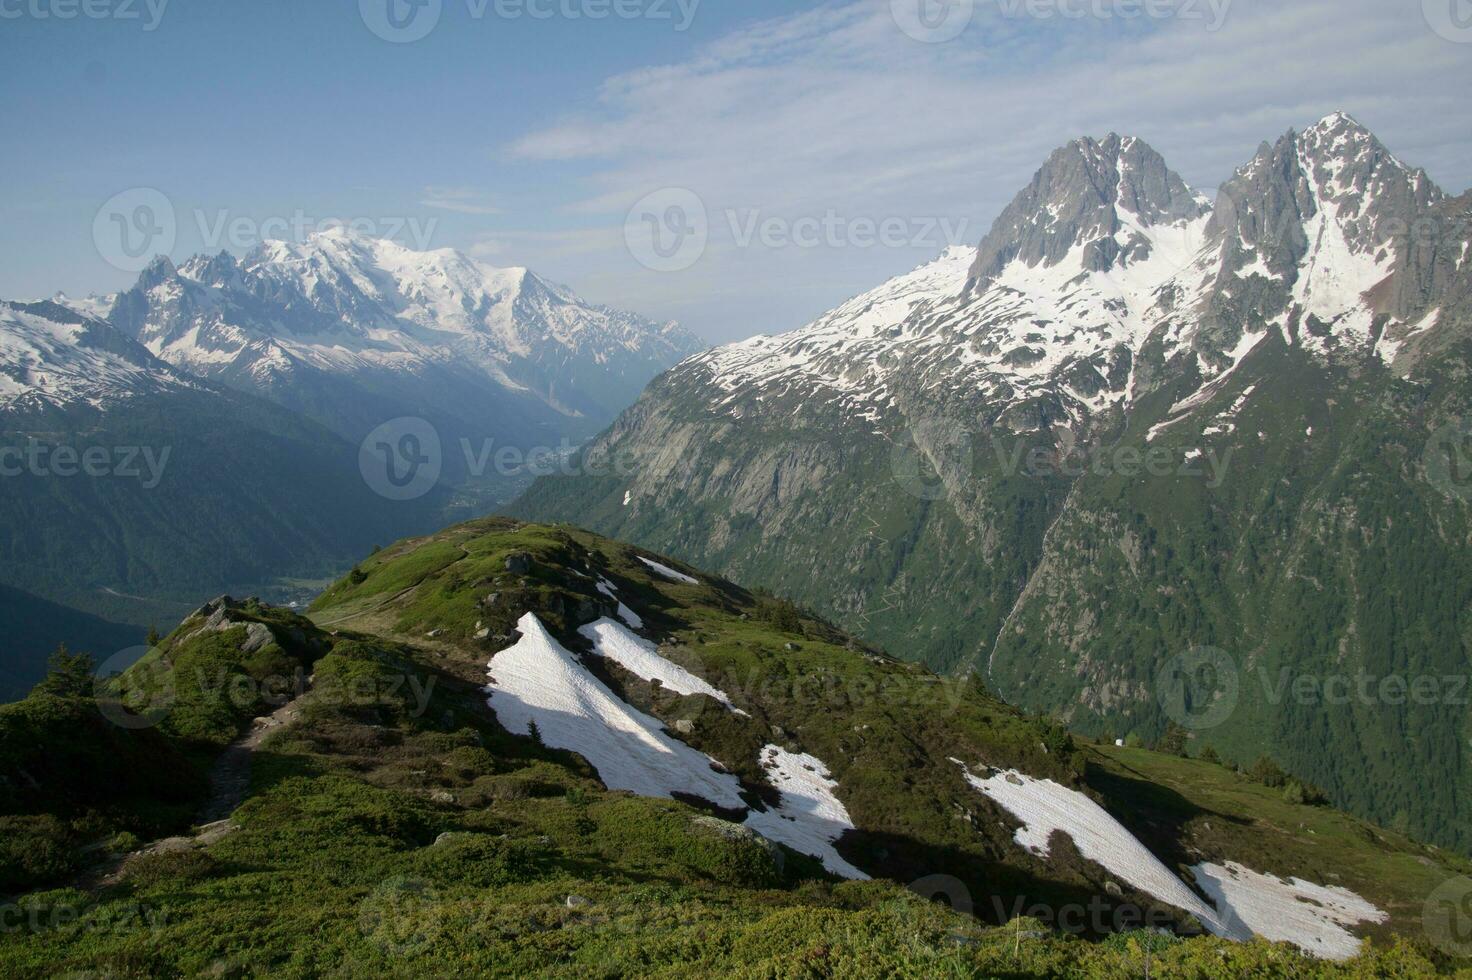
1118 434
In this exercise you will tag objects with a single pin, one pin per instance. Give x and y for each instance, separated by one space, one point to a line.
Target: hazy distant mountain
353 332
131 489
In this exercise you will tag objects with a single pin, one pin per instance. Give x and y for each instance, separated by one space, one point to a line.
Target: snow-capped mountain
128 484
1058 297
52 356
1131 422
1108 254
355 331
1313 239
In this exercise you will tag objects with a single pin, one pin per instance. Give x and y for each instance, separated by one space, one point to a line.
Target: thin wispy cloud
461 200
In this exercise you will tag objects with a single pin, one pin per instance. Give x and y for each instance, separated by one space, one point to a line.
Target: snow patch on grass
1311 917
810 817
537 679
1044 807
668 572
640 657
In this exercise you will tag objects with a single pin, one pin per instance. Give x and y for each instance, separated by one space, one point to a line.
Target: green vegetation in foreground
394 829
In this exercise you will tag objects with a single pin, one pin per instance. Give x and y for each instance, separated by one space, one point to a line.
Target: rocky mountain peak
159 270
1094 195
217 270
1332 193
54 354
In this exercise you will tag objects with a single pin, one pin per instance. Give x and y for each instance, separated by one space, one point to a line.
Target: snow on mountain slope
91 305
538 680
844 348
1044 807
1058 296
52 355
295 321
810 817
1309 239
641 658
1106 258
1311 917
664 571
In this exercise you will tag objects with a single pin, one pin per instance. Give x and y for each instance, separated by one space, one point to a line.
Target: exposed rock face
224 613
1081 199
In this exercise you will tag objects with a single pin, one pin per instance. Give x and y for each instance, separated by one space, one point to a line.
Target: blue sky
526 140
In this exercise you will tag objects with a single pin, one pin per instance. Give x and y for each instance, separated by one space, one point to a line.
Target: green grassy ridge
880 728
341 867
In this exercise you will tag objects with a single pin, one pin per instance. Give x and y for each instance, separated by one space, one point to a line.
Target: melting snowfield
668 572
1309 916
810 817
640 657
1044 807
538 680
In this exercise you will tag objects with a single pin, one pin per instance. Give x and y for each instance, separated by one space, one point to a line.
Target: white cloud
836 109
461 200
